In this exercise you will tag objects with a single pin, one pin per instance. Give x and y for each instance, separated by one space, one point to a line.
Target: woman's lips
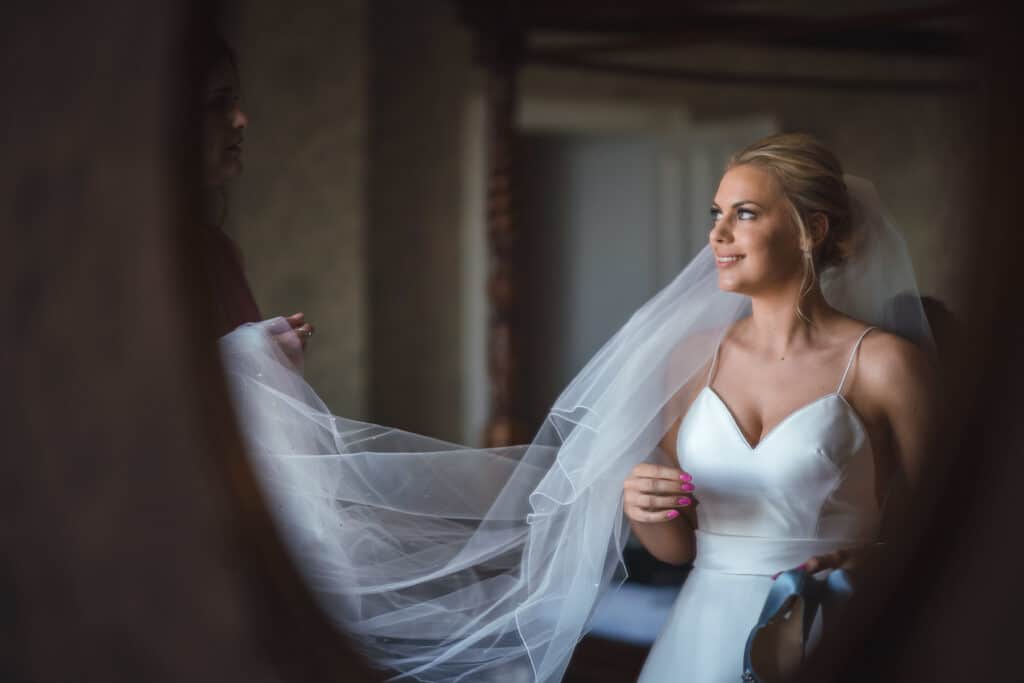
728 261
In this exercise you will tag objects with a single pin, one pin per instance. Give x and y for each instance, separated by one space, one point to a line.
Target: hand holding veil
449 563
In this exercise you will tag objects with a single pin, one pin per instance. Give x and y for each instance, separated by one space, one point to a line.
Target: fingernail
672 514
683 501
685 477
687 487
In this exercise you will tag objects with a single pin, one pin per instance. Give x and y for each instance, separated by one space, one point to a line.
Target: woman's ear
818 227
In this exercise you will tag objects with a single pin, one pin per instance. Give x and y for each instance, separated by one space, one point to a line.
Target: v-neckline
775 427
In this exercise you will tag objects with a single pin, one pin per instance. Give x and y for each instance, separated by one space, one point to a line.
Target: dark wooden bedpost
500 37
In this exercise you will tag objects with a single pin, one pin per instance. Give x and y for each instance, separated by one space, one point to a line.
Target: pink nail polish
684 501
672 514
685 477
776 575
687 487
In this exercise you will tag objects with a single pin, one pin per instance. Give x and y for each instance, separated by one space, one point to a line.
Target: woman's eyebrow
714 205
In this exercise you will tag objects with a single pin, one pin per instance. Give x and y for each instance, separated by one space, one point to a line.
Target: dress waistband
758 555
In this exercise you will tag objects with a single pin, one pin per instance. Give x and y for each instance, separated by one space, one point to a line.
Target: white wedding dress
806 488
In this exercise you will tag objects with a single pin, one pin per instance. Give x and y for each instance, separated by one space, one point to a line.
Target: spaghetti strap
853 354
714 363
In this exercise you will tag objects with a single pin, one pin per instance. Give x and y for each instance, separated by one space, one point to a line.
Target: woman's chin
223 173
727 283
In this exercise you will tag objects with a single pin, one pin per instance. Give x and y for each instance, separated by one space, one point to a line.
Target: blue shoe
775 647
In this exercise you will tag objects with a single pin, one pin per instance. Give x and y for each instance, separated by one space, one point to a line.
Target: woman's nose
239 119
719 231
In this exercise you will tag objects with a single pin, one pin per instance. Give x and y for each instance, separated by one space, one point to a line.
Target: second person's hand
303 329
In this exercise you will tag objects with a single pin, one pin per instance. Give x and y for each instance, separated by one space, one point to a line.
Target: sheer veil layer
449 563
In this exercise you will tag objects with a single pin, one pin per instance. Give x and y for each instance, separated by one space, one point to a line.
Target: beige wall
298 211
421 73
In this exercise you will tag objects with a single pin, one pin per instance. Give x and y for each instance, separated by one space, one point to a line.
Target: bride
758 412
794 437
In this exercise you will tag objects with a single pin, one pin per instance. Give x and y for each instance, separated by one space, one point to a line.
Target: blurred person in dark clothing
223 133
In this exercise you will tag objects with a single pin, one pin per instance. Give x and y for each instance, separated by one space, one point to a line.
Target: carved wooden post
502 51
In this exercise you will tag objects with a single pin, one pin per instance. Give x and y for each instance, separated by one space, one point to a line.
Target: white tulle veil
449 563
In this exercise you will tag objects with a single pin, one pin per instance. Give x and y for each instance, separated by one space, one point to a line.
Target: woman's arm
898 386
659 498
656 499
904 385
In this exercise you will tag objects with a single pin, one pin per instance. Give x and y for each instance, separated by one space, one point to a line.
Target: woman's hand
654 493
301 328
292 340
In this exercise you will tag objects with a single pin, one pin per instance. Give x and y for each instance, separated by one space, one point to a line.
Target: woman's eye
746 215
715 215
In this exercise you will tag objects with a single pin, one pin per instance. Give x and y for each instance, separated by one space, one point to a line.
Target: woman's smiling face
756 243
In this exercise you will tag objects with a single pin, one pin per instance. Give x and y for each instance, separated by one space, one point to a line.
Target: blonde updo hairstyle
811 178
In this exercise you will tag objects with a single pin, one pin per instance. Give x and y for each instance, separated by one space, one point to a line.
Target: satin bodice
810 477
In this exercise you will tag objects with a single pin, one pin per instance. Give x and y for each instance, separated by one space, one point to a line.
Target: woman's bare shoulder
892 365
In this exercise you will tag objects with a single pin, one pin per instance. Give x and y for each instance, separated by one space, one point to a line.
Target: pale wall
299 209
421 73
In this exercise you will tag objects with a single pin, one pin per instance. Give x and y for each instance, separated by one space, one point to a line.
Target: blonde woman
804 423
